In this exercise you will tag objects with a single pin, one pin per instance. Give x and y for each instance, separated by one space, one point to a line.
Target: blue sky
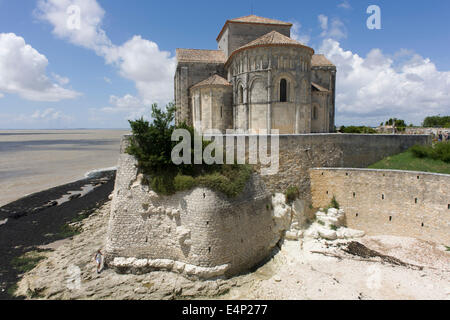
122 57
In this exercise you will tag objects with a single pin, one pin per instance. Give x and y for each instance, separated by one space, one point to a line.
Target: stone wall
402 203
198 232
237 35
299 153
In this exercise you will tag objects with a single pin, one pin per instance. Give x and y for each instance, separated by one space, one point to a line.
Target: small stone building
258 79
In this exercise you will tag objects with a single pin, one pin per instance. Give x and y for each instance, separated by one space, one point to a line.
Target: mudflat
36 160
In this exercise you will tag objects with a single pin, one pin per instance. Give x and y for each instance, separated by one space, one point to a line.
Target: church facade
258 80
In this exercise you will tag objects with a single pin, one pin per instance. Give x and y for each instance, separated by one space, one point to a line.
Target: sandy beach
32 161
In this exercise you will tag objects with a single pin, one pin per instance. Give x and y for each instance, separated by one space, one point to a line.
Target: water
32 161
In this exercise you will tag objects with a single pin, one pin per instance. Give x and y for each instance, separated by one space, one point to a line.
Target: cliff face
199 232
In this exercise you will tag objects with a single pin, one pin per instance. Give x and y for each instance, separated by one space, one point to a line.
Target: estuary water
35 160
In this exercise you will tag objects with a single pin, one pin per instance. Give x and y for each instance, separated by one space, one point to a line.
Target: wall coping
382 170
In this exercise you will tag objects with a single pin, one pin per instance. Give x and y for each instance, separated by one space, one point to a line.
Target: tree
437 121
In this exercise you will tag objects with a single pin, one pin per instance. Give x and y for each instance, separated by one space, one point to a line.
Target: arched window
283 90
314 113
241 94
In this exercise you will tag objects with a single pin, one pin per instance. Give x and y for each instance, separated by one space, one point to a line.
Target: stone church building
259 78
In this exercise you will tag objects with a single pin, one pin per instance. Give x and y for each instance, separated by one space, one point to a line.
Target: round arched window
283 90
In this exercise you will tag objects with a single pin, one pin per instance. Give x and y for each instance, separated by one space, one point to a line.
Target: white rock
119 262
161 264
291 235
327 234
190 269
130 261
141 263
178 266
183 235
346 233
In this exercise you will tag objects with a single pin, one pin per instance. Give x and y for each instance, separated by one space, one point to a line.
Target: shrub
292 194
151 144
356 129
420 151
321 222
333 227
440 151
334 203
437 121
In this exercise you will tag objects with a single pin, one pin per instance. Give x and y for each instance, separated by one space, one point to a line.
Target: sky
67 64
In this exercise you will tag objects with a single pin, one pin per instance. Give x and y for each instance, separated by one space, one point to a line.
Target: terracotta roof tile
319 60
196 55
260 20
214 80
272 38
252 19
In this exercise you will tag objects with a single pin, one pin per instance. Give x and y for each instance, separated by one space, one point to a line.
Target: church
259 79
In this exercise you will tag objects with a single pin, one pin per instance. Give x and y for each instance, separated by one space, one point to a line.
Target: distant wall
299 153
402 203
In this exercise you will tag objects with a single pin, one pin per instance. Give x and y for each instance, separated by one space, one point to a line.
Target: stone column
246 102
211 108
269 97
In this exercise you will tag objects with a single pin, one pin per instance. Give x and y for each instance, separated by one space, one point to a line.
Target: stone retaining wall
402 203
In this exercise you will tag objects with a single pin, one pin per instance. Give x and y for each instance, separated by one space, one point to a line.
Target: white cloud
323 20
89 34
50 114
334 30
39 119
132 107
138 59
376 87
345 5
61 80
107 80
23 72
297 34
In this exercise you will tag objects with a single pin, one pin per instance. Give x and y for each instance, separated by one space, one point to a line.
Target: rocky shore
381 267
39 220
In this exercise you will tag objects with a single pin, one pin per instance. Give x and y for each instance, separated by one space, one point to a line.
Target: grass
407 161
228 179
12 290
68 231
27 261
292 194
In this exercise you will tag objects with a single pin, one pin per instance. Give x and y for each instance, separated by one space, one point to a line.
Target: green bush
292 194
151 144
334 203
357 129
437 121
440 151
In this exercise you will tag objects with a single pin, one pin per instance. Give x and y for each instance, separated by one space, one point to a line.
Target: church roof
252 19
319 60
272 38
196 55
260 20
319 88
214 80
